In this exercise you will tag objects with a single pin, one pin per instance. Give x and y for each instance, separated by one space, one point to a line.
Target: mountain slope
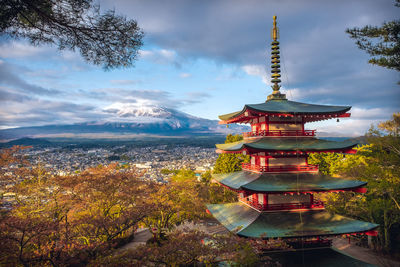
152 120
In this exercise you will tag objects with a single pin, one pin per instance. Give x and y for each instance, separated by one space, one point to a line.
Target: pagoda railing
284 206
282 168
280 133
316 243
289 206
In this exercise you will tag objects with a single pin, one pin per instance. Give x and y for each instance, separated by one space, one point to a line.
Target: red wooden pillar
265 201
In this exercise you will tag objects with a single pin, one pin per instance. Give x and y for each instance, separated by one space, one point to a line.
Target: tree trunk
386 230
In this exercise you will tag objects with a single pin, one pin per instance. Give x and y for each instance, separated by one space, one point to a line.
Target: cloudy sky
208 58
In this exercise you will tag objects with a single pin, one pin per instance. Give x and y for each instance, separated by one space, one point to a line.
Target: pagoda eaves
248 222
285 108
286 182
278 145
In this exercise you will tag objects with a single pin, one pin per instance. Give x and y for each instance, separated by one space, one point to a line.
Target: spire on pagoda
275 67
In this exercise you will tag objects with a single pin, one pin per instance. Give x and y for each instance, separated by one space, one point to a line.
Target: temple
276 188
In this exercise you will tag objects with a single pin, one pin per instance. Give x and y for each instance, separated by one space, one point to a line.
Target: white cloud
124 82
358 124
160 56
257 70
371 113
185 75
297 93
16 49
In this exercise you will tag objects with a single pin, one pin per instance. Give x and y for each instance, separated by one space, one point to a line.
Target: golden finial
275 67
275 32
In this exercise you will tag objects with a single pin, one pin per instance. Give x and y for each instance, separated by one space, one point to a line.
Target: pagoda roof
248 222
327 257
287 107
287 144
285 182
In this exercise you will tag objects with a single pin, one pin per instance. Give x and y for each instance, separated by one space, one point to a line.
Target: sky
208 58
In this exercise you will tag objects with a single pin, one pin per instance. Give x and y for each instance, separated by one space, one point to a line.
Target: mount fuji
124 120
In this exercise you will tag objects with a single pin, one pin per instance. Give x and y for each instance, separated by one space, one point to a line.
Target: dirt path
141 237
363 254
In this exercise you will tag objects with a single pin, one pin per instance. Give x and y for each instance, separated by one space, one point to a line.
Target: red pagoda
276 189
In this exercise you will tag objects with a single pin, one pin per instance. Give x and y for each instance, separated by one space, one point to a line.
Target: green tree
327 162
227 162
104 39
382 43
377 163
182 199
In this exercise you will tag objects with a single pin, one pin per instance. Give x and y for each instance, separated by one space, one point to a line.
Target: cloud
185 75
316 53
161 56
8 95
39 112
7 77
130 95
239 31
194 98
358 124
20 49
257 70
125 82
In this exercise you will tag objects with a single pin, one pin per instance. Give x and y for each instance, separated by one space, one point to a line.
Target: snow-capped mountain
126 118
129 110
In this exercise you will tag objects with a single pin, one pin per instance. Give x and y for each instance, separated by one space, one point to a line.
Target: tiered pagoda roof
248 222
289 144
285 107
286 182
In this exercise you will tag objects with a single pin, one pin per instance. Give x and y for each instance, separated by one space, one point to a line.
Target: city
65 161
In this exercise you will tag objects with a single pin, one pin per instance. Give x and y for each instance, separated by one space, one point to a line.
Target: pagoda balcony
280 133
283 206
283 168
291 206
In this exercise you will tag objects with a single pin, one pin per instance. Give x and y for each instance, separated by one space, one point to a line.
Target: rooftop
288 144
248 222
285 182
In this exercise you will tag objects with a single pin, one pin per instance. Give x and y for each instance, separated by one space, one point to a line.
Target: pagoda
276 188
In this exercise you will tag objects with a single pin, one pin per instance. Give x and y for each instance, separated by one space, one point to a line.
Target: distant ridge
149 120
26 141
362 140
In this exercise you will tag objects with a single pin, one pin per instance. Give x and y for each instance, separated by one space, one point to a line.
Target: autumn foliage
71 219
86 218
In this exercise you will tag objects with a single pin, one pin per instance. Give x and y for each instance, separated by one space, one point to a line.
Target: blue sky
208 58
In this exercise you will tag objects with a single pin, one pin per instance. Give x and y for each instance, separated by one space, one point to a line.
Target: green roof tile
285 182
247 222
326 257
288 107
288 144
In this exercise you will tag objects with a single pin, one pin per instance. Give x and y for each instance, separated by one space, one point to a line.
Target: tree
67 220
377 163
180 200
382 43
227 162
102 39
187 248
